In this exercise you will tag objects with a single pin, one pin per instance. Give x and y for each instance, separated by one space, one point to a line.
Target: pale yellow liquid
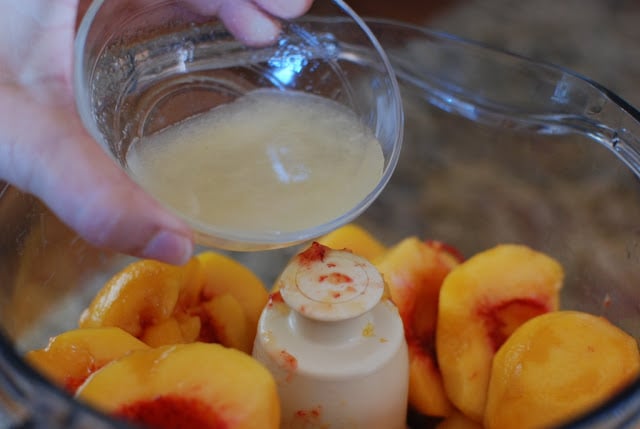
271 162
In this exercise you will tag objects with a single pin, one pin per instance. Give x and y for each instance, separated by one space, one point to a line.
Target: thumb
55 159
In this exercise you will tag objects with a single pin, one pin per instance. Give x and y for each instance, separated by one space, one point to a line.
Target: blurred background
599 39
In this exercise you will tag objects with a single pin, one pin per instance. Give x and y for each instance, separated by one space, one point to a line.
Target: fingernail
170 247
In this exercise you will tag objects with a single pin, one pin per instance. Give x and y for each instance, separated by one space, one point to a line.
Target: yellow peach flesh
458 325
163 333
143 294
223 275
226 323
72 356
481 302
199 384
555 367
457 420
356 239
163 304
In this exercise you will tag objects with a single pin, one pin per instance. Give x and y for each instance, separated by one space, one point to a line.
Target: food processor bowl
497 149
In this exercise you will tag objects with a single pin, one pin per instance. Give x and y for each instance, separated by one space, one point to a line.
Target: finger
248 23
286 9
105 207
53 158
205 7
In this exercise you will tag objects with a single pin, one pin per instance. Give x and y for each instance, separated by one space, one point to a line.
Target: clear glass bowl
143 66
497 149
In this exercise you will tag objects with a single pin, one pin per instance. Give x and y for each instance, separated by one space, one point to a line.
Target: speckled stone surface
599 39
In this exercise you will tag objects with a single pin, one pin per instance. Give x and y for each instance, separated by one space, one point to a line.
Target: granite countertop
599 39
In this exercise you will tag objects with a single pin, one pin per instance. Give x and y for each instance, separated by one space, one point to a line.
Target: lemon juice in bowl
271 161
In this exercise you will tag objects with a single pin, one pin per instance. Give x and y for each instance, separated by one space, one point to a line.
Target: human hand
46 151
250 21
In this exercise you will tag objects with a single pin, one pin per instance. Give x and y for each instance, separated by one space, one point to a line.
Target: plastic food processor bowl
497 149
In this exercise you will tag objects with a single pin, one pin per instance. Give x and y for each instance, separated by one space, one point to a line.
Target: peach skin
482 301
72 356
414 271
557 366
195 385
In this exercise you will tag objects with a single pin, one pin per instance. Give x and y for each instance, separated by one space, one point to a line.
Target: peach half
196 386
557 366
143 294
482 301
71 357
414 271
213 298
356 239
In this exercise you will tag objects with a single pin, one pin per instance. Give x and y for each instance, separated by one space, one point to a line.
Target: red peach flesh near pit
172 412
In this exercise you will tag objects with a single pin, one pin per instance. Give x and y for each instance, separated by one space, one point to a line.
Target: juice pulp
270 162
